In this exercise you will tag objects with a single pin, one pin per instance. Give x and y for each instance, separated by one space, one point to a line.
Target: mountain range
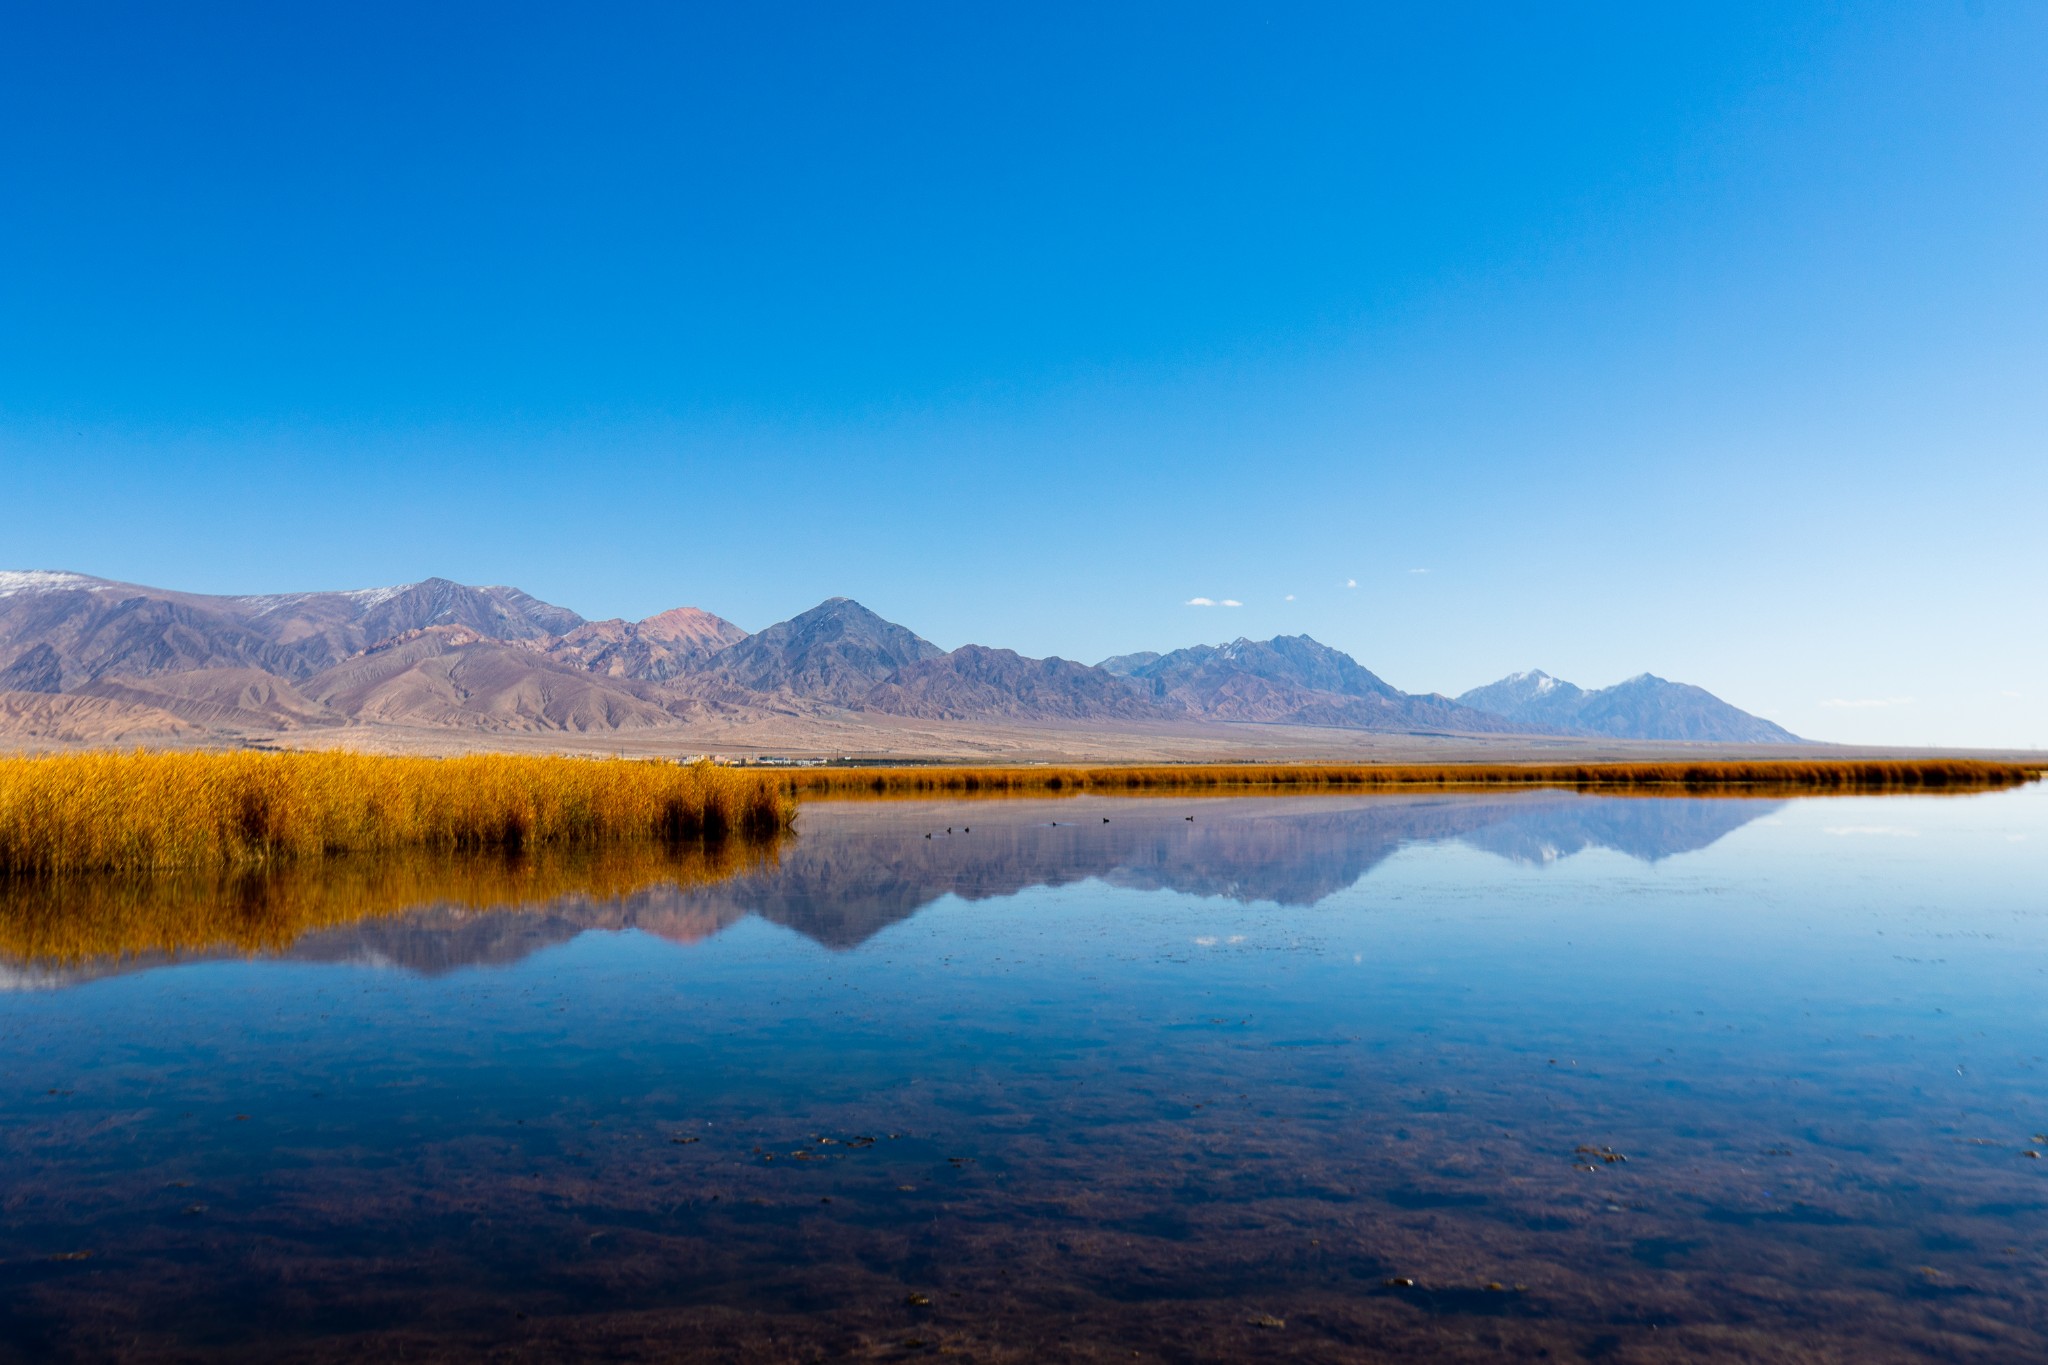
92 659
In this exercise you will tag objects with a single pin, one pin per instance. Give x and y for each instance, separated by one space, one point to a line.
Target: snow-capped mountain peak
14 581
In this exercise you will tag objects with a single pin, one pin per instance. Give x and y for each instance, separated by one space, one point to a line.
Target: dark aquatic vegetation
1425 1076
1704 776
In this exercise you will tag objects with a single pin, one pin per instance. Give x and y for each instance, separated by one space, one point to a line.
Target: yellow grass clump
1802 775
64 921
138 812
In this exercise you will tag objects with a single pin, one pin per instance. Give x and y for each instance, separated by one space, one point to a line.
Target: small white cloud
1230 602
1290 597
1206 941
1418 571
1350 582
1859 702
1201 601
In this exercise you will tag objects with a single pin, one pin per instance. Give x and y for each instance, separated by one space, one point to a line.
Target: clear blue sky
1710 341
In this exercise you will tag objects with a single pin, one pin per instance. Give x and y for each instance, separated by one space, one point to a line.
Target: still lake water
1305 1079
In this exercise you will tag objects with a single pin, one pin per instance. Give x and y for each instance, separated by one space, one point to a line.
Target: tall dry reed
1802 775
136 812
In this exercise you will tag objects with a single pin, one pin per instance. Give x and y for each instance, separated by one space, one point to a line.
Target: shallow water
1317 1079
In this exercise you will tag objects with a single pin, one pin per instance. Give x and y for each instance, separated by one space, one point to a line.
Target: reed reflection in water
59 928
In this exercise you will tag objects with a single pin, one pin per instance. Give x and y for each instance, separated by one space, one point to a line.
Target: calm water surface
1532 1077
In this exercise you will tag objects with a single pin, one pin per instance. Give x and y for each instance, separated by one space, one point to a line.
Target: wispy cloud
1230 602
1860 702
1418 571
1350 582
1290 597
1201 601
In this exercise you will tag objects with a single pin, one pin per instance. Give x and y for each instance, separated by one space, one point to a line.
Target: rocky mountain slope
654 650
837 652
91 628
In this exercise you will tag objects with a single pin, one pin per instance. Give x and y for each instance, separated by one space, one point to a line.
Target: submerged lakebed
1433 1076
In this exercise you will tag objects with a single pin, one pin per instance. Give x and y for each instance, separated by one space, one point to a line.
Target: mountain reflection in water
854 869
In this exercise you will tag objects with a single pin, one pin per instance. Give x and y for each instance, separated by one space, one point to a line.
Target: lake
1434 1077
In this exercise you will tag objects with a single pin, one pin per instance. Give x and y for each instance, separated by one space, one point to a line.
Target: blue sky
1710 341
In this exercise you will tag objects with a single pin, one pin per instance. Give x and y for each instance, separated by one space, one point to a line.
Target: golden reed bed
1774 776
144 812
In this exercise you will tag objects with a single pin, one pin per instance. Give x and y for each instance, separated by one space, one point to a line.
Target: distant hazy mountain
89 658
1291 679
975 681
1644 707
1124 665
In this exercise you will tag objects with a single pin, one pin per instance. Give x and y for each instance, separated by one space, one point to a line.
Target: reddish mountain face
657 649
692 627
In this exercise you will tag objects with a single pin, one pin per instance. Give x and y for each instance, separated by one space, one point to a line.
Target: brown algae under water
1438 1076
